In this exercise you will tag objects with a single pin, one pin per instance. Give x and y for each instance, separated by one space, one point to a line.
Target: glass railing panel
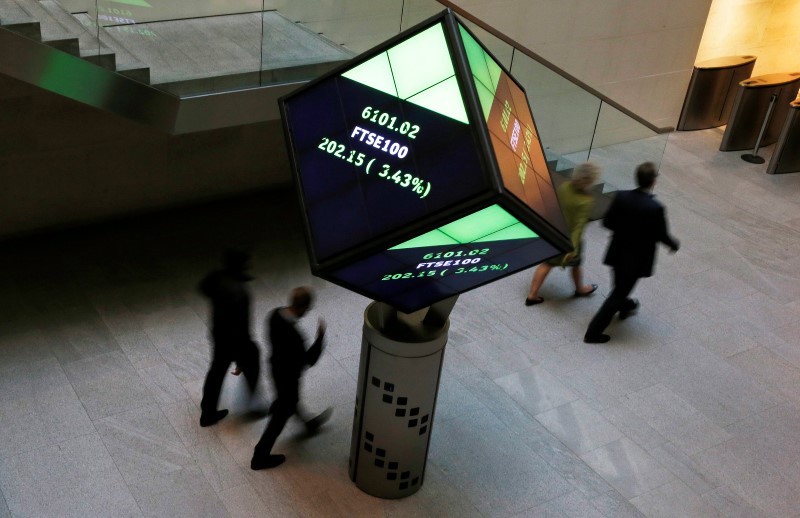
356 25
620 144
502 51
302 40
565 114
416 11
184 49
55 26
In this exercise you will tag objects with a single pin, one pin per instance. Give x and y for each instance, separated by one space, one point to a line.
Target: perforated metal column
397 387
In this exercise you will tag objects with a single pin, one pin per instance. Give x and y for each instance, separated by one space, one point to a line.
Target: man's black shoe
208 420
630 309
313 425
270 461
598 339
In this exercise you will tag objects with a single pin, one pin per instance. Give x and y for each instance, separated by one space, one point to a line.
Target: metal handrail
539 59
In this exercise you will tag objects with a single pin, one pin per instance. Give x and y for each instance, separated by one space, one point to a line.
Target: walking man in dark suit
289 359
230 331
638 222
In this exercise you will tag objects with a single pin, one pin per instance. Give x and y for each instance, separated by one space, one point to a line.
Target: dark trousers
244 353
617 301
287 386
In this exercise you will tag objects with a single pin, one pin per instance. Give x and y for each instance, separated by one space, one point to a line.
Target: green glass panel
494 71
375 73
432 238
518 231
485 68
479 224
486 99
412 74
476 58
444 98
489 224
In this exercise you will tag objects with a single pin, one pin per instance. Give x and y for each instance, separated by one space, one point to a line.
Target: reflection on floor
693 408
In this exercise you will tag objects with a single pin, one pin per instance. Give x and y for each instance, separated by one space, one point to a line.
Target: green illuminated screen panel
471 251
512 130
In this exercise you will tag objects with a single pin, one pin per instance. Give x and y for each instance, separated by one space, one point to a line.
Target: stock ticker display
403 139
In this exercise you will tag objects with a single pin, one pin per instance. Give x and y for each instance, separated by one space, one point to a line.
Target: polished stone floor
693 409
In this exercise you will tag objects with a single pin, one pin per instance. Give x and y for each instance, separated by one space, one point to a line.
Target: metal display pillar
398 380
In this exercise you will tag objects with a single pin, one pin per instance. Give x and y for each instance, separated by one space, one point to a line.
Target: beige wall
638 52
63 163
768 29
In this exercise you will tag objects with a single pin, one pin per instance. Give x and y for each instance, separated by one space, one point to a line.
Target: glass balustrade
189 48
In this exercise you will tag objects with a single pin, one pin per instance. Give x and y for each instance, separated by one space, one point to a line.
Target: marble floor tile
496 361
718 390
689 430
163 385
578 426
181 493
501 477
144 444
728 503
627 467
243 502
139 349
633 426
674 499
23 347
572 505
536 390
4 512
76 478
38 406
614 505
107 384
761 485
685 468
219 467
772 370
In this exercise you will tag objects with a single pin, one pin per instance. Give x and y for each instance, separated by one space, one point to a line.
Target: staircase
46 21
183 57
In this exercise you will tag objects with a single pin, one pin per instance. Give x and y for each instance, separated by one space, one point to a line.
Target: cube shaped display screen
404 138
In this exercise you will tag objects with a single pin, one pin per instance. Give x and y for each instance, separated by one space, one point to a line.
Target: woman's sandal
533 301
579 294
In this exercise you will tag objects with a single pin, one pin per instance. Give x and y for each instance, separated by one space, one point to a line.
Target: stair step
187 52
15 19
51 29
126 63
141 74
30 30
11 13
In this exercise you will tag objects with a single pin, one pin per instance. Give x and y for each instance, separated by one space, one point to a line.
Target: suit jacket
289 354
638 222
230 305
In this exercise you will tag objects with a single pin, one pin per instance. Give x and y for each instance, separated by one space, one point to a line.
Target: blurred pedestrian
576 203
289 358
638 223
230 331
